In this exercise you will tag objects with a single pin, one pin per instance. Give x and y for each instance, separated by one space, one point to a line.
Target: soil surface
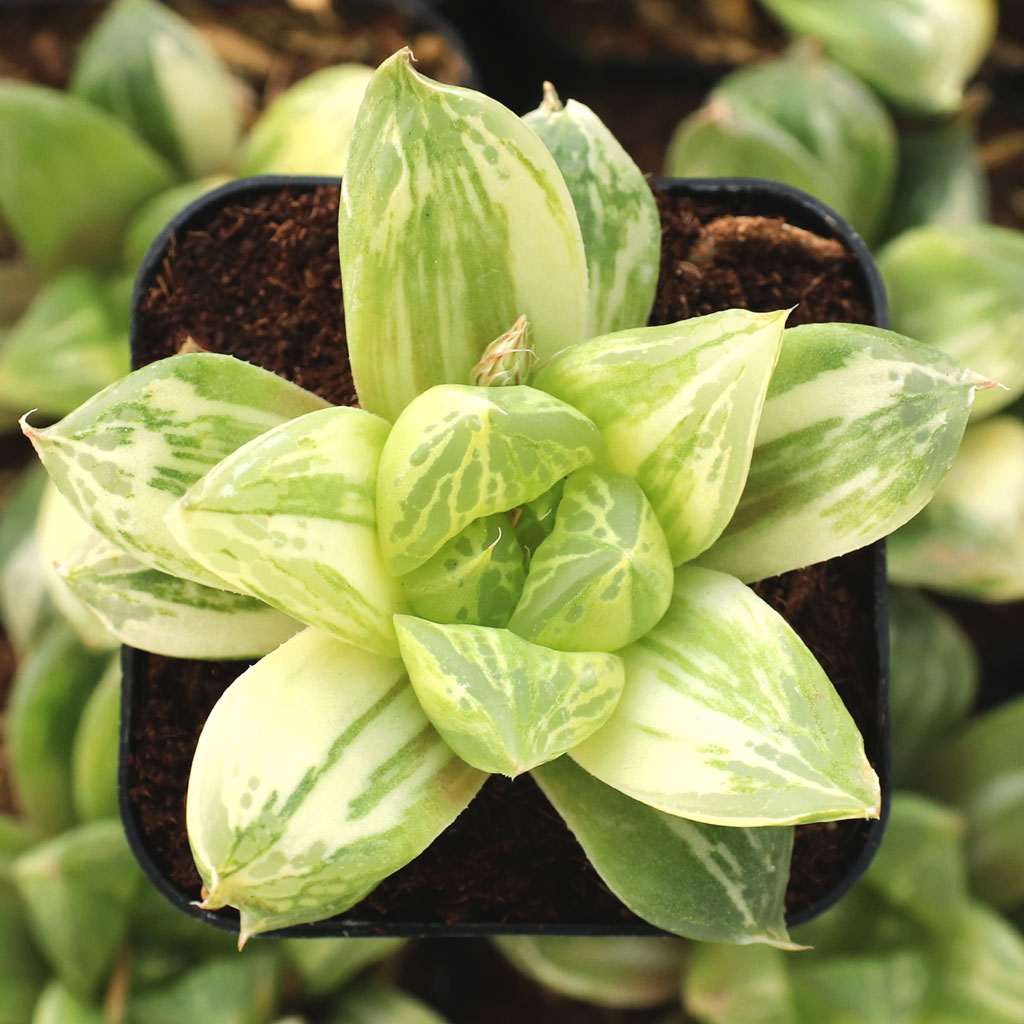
260 279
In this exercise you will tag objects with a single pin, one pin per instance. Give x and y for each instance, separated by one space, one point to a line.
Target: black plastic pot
864 570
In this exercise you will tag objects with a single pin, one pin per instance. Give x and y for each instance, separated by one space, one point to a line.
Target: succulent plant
651 469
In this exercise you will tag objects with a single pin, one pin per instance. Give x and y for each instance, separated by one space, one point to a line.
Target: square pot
251 269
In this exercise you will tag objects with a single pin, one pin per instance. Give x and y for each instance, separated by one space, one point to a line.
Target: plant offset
493 566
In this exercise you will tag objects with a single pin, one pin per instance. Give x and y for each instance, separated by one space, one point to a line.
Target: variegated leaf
297 808
156 72
153 611
536 519
289 518
458 453
621 970
475 579
454 221
124 456
700 881
603 578
858 430
679 406
501 703
727 718
616 210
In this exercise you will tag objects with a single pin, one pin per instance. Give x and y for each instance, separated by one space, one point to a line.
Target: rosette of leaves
917 54
800 119
651 470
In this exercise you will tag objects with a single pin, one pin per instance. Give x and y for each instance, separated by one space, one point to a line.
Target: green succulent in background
644 435
802 120
917 54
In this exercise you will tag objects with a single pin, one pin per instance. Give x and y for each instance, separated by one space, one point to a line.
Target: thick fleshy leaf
67 346
373 1003
738 985
150 610
940 179
94 753
980 977
700 881
154 71
296 809
78 890
475 579
933 679
454 221
960 288
727 718
126 455
50 689
917 53
289 518
603 578
858 430
223 990
618 971
536 519
307 128
981 775
969 539
458 453
679 406
798 106
324 965
72 210
893 987
615 208
501 703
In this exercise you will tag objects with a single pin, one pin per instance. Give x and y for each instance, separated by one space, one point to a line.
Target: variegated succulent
492 576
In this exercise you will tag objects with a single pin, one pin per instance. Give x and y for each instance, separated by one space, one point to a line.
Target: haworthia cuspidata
289 518
679 406
616 210
459 452
454 221
859 427
297 808
124 457
727 718
500 702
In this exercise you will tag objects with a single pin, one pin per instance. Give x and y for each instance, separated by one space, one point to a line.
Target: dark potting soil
261 280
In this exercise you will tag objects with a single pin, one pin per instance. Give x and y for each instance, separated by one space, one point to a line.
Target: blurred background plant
904 115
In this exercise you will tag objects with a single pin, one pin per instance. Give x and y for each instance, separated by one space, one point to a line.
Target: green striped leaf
307 128
289 518
858 430
933 679
126 455
454 221
616 210
150 610
156 72
917 54
960 288
73 210
699 881
727 718
620 971
78 890
679 406
297 808
67 346
458 453
501 703
603 577
475 579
